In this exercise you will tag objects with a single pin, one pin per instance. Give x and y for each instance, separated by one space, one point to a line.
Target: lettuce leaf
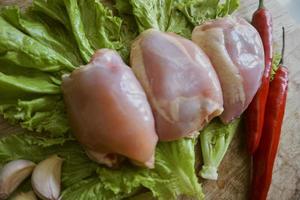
19 85
78 29
179 16
43 114
89 189
275 62
199 11
44 30
174 173
52 38
215 140
143 196
123 7
37 47
55 9
103 32
159 14
25 51
106 31
153 14
227 8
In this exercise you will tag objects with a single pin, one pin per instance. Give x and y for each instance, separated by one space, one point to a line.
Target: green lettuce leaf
143 196
129 27
32 59
36 147
44 30
215 140
103 32
89 189
174 173
37 47
153 14
180 25
25 51
78 29
199 11
44 114
21 85
158 14
275 63
179 16
106 31
227 8
55 9
123 7
52 38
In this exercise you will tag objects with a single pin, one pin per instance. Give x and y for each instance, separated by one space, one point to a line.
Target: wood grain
234 173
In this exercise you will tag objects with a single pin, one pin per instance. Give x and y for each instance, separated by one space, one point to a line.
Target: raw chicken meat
236 52
180 82
109 112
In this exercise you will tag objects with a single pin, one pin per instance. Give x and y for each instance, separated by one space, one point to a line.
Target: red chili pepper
264 157
254 116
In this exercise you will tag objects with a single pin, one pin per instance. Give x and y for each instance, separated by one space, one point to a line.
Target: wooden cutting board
234 173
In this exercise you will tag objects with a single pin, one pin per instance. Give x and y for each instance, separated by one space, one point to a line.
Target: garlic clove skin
46 177
13 174
25 196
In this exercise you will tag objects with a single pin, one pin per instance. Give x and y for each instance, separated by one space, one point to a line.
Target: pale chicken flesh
236 52
180 82
109 112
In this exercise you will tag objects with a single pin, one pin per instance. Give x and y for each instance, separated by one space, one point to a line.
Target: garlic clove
12 175
45 178
25 196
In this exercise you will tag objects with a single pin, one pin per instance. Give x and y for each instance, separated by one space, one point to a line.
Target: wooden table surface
234 174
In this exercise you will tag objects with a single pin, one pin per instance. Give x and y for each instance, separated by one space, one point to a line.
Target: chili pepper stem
261 4
283 46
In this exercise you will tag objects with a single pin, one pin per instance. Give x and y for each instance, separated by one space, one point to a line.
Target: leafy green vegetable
51 39
174 173
199 11
44 30
123 7
215 140
19 85
275 62
41 114
157 14
54 37
25 51
78 29
227 8
106 31
153 14
89 189
55 9
143 196
179 16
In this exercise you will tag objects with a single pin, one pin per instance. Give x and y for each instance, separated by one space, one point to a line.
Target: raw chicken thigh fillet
236 52
109 112
180 82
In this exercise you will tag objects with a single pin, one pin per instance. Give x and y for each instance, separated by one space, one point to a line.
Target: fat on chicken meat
109 112
236 52
180 82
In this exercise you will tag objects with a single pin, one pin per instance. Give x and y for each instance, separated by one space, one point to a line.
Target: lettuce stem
215 140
